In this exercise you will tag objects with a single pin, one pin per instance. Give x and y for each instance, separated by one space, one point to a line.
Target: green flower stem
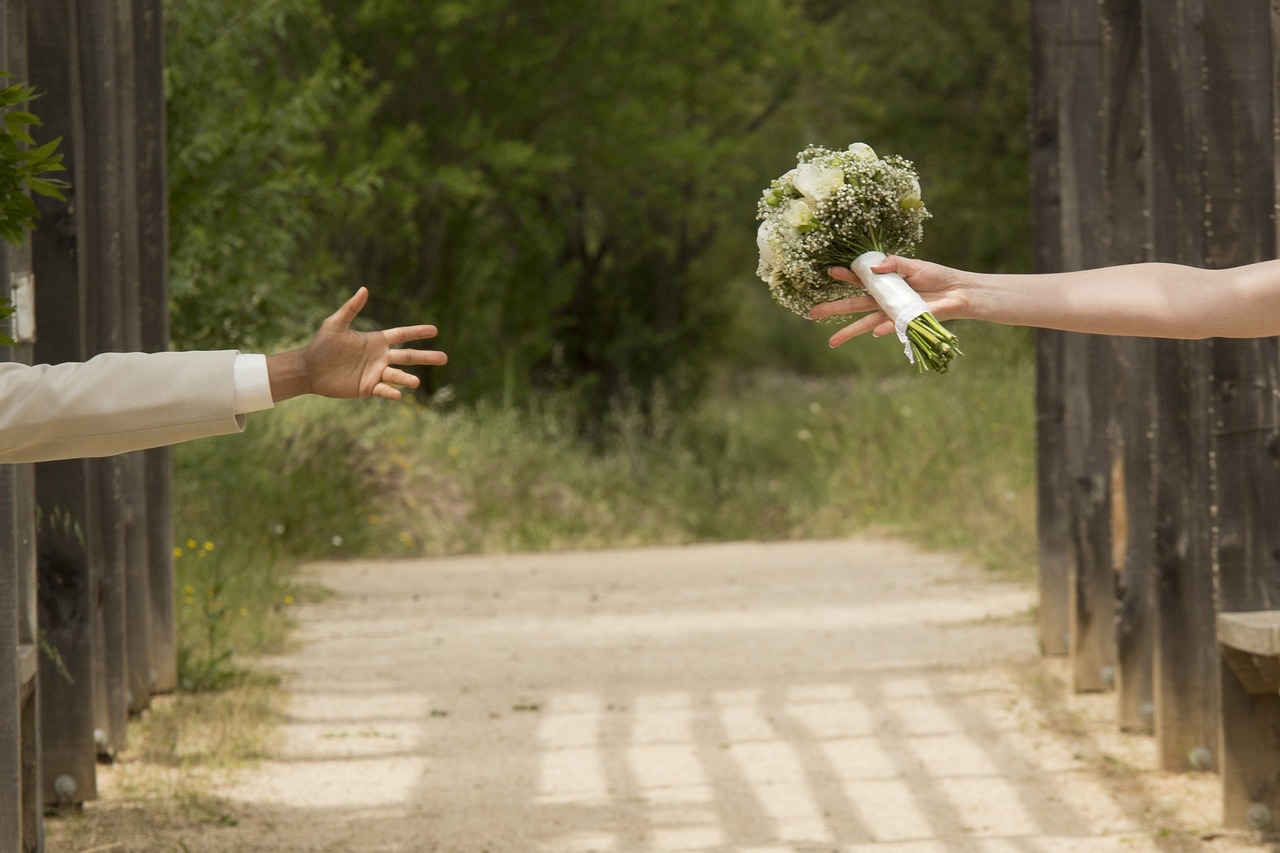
932 344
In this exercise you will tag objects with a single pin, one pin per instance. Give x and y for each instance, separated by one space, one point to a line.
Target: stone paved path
853 696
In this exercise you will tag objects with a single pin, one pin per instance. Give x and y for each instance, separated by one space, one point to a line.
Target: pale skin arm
1142 300
341 362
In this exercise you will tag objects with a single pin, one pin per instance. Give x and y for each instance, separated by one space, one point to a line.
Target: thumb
342 319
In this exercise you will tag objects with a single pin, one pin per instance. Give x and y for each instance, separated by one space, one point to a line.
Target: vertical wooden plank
1087 358
18 263
1240 192
1052 510
21 809
29 650
133 504
11 818
1130 407
1133 530
153 282
102 251
1186 664
62 488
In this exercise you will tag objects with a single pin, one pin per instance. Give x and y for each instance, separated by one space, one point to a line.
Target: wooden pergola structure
86 566
1154 137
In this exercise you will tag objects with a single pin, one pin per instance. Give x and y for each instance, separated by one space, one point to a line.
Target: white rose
818 182
767 255
862 151
798 214
911 198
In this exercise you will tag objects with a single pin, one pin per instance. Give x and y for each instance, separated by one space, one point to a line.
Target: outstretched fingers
848 305
405 334
404 355
342 319
877 322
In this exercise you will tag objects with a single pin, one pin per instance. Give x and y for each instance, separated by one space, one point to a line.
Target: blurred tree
259 96
947 85
565 165
566 187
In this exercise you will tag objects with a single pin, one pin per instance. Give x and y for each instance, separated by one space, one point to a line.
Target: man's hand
341 362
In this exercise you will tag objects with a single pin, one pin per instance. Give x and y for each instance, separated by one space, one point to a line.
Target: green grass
945 461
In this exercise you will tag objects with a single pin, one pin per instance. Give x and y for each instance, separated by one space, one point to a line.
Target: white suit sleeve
118 402
253 385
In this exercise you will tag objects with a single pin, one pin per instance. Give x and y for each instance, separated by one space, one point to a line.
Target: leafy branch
24 169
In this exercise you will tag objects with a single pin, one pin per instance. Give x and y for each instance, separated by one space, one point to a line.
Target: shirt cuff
252 385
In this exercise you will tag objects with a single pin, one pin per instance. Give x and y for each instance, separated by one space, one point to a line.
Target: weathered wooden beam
1087 359
103 255
11 817
63 488
153 285
1240 194
1052 506
1186 664
1130 407
21 805
136 628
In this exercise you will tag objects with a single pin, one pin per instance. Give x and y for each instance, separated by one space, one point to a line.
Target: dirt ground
855 696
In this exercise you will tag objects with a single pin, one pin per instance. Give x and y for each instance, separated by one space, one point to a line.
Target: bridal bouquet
849 209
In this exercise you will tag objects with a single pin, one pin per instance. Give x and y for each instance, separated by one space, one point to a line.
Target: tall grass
947 461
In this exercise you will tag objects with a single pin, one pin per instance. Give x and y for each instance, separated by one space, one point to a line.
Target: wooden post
11 815
102 252
1240 178
1087 358
1052 506
1129 404
153 282
136 627
1186 659
21 805
62 488
1133 529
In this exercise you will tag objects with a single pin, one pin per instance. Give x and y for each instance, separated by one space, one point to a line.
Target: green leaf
49 189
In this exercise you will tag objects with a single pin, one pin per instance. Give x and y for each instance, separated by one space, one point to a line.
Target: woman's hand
942 288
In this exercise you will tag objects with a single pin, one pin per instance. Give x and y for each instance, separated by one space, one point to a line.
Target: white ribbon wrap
894 296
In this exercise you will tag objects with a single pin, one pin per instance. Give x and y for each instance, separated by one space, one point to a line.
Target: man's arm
119 402
114 403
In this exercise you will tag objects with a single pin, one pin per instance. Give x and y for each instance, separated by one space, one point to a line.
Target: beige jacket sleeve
115 403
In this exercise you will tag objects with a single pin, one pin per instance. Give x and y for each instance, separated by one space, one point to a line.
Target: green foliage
763 456
943 84
24 167
302 483
566 188
260 100
946 85
565 167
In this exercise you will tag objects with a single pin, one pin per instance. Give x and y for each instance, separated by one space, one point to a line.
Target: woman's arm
1144 300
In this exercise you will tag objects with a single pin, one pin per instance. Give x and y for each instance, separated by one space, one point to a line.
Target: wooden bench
1250 649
